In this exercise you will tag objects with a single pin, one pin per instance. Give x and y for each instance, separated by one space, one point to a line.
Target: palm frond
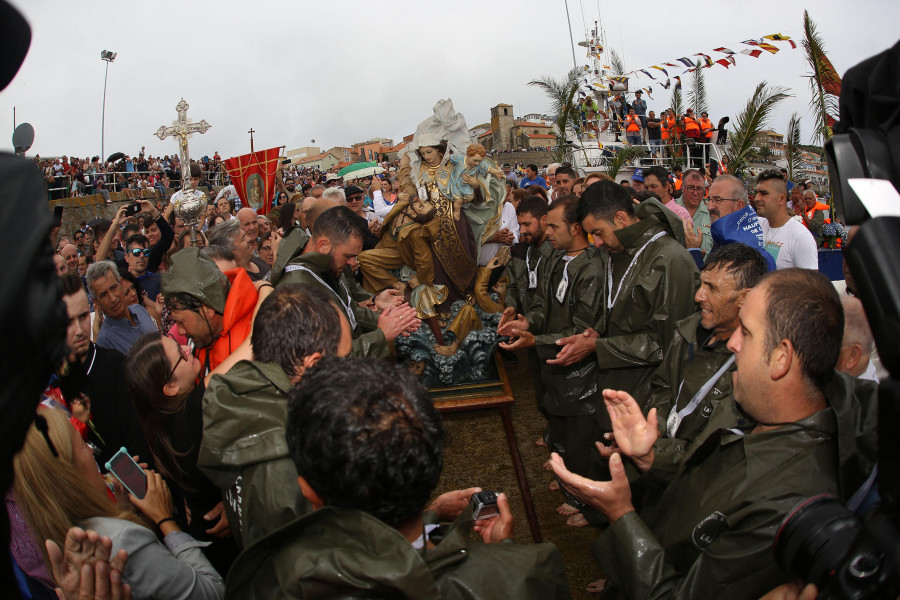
677 102
792 147
697 94
625 155
752 120
824 81
618 67
562 104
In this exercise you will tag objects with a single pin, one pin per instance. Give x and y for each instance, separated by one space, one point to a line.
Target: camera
484 505
132 209
822 542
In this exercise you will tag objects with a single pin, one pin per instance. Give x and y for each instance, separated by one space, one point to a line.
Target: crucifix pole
189 202
251 132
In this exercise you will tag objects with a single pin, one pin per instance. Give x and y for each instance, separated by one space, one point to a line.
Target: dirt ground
477 454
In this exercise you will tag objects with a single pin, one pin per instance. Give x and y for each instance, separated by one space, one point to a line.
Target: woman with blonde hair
58 486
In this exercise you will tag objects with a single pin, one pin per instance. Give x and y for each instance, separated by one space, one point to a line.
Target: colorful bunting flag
685 61
753 53
768 47
750 42
670 65
723 49
647 73
677 82
661 69
724 62
706 59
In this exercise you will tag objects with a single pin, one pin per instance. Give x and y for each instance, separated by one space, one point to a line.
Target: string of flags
756 49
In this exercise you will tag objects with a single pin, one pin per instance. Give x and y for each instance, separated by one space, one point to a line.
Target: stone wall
541 158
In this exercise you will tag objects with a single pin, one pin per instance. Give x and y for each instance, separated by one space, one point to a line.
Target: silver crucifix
189 202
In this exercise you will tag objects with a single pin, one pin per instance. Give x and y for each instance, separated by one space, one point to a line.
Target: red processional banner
253 177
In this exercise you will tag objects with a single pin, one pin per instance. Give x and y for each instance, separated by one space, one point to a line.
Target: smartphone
57 216
132 209
129 473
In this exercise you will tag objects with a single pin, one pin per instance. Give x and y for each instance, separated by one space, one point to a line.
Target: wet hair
536 206
803 307
314 326
602 200
377 447
339 224
742 262
569 204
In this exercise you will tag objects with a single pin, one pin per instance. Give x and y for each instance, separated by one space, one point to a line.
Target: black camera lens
814 539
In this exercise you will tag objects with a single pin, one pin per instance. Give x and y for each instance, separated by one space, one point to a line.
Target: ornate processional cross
182 129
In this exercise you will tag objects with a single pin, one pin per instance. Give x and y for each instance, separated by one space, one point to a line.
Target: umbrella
360 169
115 157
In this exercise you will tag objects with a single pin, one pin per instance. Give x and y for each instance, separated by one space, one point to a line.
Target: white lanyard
564 282
350 316
675 418
532 273
611 300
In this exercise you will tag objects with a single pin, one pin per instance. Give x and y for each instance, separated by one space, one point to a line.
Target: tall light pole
108 57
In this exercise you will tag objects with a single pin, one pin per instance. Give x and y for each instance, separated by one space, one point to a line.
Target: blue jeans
634 138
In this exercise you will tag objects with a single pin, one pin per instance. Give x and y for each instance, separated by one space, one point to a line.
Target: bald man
858 344
250 226
70 255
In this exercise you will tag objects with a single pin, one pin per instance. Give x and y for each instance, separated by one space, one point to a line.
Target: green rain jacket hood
244 451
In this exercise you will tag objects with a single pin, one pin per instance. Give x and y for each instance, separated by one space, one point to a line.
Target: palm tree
562 103
697 95
751 120
675 142
824 82
792 147
624 156
618 67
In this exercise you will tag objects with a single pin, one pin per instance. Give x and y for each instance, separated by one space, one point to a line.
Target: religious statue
468 172
450 203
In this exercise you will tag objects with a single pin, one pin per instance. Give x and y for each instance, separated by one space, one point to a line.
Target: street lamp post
107 56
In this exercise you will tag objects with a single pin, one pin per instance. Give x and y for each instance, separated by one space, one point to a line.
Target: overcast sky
344 71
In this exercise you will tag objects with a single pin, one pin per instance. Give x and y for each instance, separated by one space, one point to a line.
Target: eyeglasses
265 249
139 251
354 199
181 357
694 188
716 199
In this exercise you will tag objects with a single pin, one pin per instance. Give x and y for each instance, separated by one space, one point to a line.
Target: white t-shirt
792 245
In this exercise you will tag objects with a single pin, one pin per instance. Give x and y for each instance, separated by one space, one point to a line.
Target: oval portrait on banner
255 191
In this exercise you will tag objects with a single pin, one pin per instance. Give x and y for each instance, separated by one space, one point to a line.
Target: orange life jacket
708 126
664 128
691 127
631 124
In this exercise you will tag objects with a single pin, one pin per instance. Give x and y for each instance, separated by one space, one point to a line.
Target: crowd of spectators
218 359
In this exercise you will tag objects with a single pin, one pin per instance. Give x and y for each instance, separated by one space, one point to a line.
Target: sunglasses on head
139 251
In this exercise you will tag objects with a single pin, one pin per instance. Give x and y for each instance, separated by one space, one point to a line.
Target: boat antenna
571 39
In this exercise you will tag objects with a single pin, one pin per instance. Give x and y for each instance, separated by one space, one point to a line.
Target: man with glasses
137 255
731 217
693 188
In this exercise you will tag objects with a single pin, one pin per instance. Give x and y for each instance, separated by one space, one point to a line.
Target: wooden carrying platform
492 394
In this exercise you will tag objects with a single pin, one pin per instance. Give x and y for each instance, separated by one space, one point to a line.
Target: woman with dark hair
288 217
161 377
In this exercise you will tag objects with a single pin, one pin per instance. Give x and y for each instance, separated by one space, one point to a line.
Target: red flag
253 176
753 53
724 62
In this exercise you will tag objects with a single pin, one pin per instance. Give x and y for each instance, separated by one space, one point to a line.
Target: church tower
502 122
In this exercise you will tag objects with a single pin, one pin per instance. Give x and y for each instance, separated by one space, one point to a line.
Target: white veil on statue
446 125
